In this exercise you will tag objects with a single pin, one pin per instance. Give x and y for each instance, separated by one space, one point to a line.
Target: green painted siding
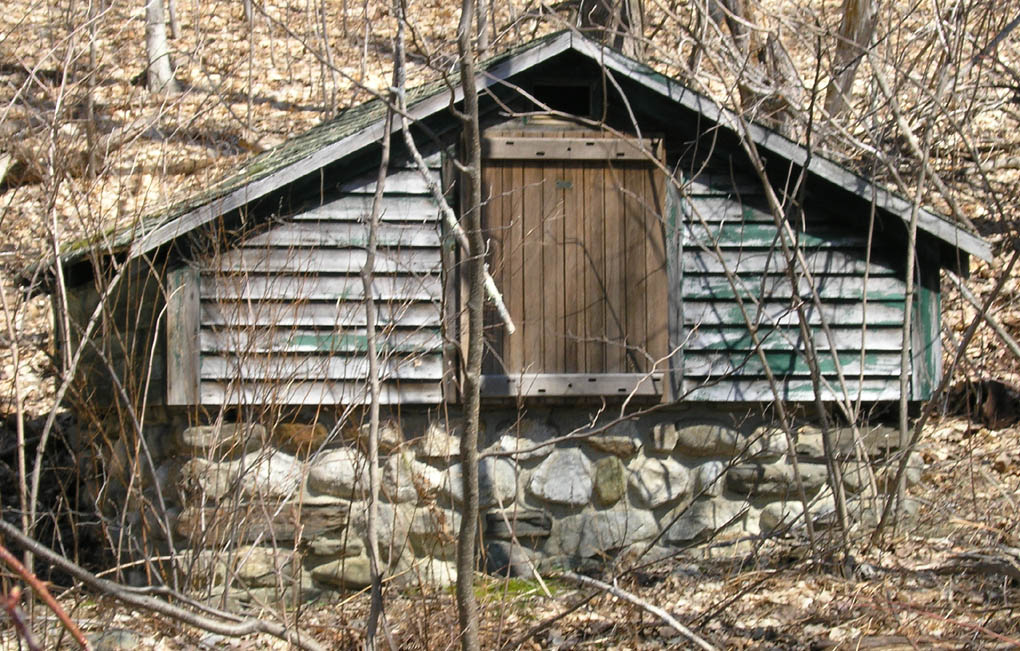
734 290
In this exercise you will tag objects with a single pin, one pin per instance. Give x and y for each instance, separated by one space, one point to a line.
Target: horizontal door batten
600 149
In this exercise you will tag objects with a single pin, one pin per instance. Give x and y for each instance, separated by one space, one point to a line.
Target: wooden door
576 246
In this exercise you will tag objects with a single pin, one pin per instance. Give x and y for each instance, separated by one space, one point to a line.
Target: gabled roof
362 125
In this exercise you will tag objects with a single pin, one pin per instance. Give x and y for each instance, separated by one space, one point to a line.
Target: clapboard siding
354 208
736 290
282 315
239 315
296 392
331 260
241 366
348 234
350 340
852 338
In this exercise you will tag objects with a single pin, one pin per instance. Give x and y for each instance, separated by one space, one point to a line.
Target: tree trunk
175 24
855 31
617 23
159 73
467 610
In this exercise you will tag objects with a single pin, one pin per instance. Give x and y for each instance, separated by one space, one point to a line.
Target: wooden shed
633 245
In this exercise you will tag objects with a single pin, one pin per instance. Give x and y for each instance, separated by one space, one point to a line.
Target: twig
39 589
18 619
640 603
118 592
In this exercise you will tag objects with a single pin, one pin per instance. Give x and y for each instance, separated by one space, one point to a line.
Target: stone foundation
281 510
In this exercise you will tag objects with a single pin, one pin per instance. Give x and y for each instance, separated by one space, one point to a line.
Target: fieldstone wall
268 511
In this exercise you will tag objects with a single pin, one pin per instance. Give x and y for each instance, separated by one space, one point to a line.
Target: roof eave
776 143
768 140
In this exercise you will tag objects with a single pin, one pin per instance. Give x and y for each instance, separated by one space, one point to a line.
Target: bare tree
617 23
474 265
159 73
855 30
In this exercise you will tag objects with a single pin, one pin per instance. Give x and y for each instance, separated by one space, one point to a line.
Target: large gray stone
335 543
202 480
774 479
214 526
876 440
592 534
621 446
342 473
622 439
713 440
391 435
809 444
270 475
517 523
221 440
869 511
564 477
526 439
857 479
264 475
354 572
709 478
504 558
259 567
702 518
393 527
433 532
440 440
780 514
497 483
658 481
664 437
610 481
398 483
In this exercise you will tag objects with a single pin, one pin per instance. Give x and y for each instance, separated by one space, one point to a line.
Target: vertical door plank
552 264
492 225
594 283
534 281
616 267
515 361
636 238
655 258
573 267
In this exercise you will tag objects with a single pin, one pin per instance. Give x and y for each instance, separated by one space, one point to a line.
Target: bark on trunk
467 611
617 23
160 75
855 32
